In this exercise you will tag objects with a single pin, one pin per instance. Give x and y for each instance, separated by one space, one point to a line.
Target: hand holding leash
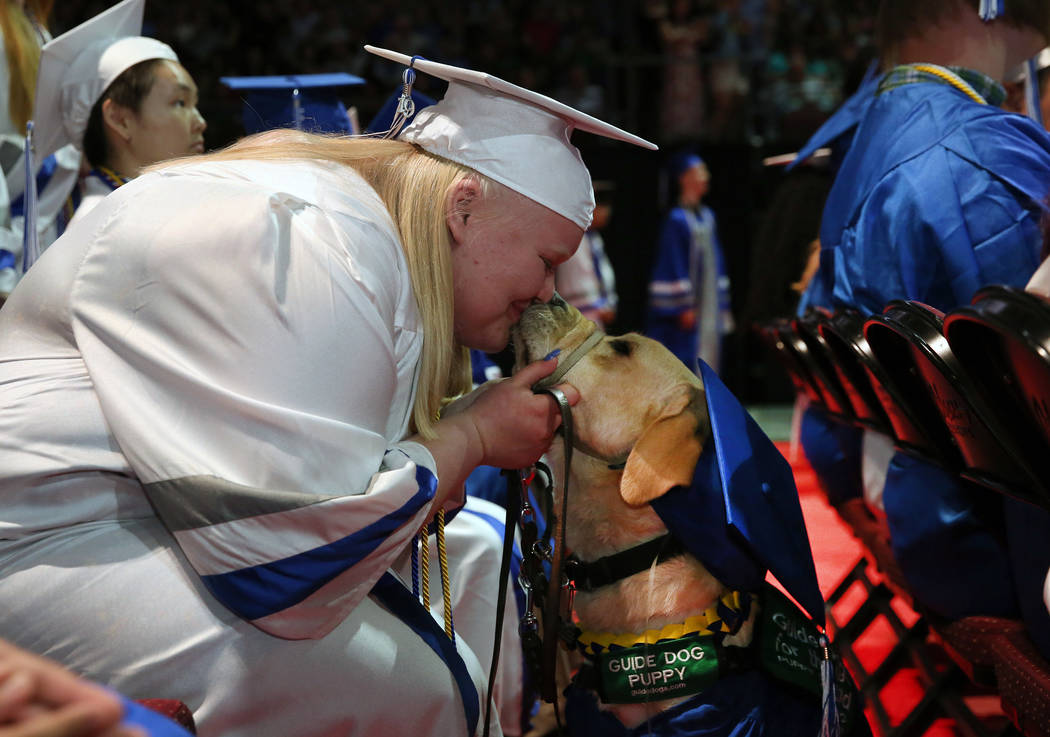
514 425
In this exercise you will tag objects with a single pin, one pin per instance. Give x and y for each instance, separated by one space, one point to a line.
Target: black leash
552 619
540 653
517 490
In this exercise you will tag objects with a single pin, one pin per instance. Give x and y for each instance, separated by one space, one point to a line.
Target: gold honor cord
446 588
424 565
951 78
424 571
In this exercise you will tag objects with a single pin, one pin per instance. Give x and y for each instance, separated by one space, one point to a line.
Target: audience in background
567 47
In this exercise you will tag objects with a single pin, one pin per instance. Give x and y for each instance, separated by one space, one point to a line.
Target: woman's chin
492 340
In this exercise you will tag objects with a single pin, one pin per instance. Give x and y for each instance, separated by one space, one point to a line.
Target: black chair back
900 339
855 364
821 362
778 337
1003 341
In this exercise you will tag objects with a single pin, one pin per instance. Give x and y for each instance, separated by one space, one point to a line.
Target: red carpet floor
835 551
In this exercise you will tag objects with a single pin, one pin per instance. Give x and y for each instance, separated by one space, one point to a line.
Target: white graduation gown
204 384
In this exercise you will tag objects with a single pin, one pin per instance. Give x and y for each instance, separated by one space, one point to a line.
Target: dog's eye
622 347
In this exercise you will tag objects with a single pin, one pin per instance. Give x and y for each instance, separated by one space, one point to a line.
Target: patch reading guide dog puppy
678 505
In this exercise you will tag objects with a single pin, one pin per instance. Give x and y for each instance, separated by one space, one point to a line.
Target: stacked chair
969 392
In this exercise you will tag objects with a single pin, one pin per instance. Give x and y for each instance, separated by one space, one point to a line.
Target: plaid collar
992 92
110 177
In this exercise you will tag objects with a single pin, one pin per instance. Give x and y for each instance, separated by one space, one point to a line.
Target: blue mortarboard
384 119
741 516
683 162
306 101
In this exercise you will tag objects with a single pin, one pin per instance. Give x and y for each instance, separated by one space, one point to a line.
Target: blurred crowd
728 70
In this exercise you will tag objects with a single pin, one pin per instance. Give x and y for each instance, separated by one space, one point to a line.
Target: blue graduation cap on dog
308 102
741 516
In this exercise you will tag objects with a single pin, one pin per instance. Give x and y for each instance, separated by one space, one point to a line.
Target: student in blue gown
689 288
942 197
833 448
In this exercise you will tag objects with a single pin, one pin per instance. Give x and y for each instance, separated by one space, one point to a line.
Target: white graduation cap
1037 63
78 66
1028 74
510 134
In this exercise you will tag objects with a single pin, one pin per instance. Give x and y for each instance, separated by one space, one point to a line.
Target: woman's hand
39 698
501 423
514 425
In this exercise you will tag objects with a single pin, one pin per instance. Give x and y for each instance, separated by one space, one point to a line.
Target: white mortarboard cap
78 66
1032 91
1039 62
510 134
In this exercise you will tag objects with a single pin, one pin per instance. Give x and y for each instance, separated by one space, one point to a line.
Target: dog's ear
666 453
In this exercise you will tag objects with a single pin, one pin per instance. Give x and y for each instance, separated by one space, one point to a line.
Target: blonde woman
222 433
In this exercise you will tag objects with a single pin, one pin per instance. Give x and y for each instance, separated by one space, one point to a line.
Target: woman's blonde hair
414 186
22 31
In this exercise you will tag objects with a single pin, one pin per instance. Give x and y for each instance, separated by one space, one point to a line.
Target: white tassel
406 106
1031 92
830 721
297 110
30 240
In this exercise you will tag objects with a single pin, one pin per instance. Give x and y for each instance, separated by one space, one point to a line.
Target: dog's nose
557 301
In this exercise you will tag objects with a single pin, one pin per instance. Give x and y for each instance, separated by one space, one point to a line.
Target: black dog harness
612 568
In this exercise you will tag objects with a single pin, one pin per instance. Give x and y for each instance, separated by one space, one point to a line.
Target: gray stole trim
703 273
192 502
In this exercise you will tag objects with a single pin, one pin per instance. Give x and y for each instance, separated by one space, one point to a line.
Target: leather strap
552 600
566 363
515 495
589 576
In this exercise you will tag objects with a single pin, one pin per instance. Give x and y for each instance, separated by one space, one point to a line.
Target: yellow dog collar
712 619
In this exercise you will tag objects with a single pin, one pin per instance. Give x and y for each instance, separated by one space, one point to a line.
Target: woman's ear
117 119
459 206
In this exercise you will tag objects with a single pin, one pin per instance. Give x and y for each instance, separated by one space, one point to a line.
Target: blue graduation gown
748 704
938 197
942 198
832 448
679 283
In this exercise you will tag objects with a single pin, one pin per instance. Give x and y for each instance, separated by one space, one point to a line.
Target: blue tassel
830 720
406 106
30 240
992 9
1031 92
415 565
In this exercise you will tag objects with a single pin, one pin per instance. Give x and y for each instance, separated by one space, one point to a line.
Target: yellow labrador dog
652 624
